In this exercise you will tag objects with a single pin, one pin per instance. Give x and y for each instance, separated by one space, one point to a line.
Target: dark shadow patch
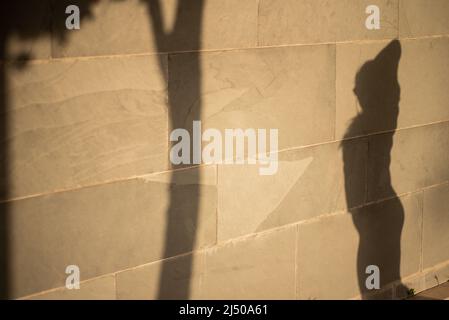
379 225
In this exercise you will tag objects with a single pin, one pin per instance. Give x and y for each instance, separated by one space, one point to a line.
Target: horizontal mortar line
114 274
102 183
437 185
146 175
437 36
415 126
332 141
63 287
248 236
83 58
320 217
254 235
143 54
357 137
391 285
427 270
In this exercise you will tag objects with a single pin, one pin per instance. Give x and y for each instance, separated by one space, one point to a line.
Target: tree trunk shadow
187 27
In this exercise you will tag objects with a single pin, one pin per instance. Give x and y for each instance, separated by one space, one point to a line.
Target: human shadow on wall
25 21
184 85
30 19
379 226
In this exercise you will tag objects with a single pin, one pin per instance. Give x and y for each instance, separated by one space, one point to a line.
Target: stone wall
360 181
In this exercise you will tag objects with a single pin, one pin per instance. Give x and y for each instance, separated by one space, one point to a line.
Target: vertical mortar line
115 285
257 24
421 257
216 208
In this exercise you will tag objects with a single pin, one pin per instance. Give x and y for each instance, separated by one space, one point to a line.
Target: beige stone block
242 269
312 21
420 68
327 256
108 228
257 267
96 289
423 18
437 275
436 224
108 27
25 30
174 278
129 27
333 252
423 75
309 182
79 122
270 88
407 160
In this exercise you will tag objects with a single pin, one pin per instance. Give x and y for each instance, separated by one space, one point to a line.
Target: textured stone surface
279 88
436 224
127 27
423 77
423 18
312 21
258 267
309 182
75 123
419 158
85 138
176 278
109 228
328 250
437 275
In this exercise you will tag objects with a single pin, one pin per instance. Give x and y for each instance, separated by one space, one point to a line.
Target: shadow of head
376 84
